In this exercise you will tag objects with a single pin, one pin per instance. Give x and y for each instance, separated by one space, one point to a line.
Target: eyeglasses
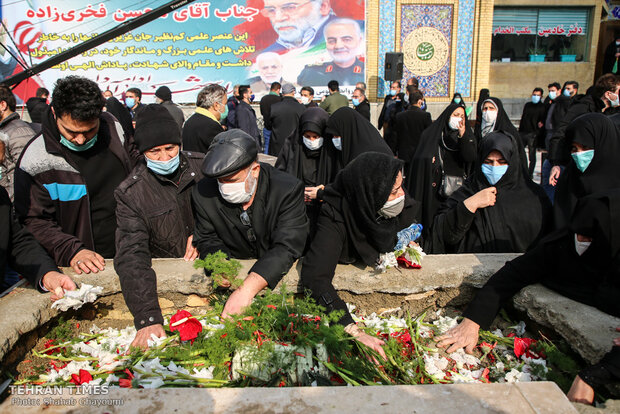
245 220
288 9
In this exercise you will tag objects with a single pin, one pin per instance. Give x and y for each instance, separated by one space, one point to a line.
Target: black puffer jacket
155 218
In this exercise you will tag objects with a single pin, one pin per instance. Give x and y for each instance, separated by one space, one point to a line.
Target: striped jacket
51 196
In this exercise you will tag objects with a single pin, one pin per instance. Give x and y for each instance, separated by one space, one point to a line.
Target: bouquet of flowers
407 252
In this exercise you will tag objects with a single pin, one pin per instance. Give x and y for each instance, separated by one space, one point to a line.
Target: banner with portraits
253 42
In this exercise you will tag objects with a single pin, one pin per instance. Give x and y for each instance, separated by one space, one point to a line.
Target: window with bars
543 34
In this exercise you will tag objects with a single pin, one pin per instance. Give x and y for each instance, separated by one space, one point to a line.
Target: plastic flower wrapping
286 340
407 252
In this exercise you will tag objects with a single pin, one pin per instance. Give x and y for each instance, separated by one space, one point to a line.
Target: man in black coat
409 127
245 114
21 252
392 100
248 210
211 110
266 103
37 105
284 119
360 103
154 215
532 124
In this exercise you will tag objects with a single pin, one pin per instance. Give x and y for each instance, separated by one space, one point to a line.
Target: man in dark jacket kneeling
154 215
248 210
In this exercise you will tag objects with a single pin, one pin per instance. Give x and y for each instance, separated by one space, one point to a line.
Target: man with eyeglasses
66 177
248 210
211 112
298 23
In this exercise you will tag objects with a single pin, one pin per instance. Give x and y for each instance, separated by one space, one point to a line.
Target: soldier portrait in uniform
298 23
344 42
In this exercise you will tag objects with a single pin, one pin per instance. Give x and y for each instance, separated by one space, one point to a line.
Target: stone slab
532 398
589 331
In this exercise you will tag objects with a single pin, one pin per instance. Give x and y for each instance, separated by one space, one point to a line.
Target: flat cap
229 152
288 88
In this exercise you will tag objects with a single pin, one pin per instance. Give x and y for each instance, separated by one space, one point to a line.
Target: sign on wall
253 42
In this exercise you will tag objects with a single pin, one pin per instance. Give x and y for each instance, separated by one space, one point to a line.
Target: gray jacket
175 111
15 134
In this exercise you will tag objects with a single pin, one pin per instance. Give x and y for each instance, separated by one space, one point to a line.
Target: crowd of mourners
93 177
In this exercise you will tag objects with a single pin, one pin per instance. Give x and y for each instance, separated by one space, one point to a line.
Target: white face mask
337 141
313 144
235 193
489 116
305 100
454 122
393 208
580 246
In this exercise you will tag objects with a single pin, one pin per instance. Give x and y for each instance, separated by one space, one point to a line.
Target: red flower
523 345
188 326
272 306
485 375
126 382
407 264
50 343
58 367
83 378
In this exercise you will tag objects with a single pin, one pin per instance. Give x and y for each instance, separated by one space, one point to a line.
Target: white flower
498 333
519 328
155 341
386 260
152 382
435 365
206 373
517 376
445 323
461 359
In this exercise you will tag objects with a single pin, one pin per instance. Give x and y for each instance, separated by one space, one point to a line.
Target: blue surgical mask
553 95
393 92
78 148
337 143
457 100
423 107
163 167
494 172
583 159
355 101
252 97
130 102
224 114
535 99
566 92
615 102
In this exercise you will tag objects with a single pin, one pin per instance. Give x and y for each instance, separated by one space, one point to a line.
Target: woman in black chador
595 166
498 209
364 209
444 159
310 158
353 135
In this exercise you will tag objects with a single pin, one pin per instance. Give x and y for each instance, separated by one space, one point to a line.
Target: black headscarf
595 131
121 113
502 123
359 192
296 159
521 214
424 175
358 135
457 95
484 94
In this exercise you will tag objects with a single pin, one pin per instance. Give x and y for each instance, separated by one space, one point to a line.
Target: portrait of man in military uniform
344 42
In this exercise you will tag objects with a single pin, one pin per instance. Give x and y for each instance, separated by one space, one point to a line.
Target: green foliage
221 268
61 332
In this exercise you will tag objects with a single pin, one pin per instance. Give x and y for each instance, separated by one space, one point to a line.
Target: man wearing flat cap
163 96
248 210
154 215
284 118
